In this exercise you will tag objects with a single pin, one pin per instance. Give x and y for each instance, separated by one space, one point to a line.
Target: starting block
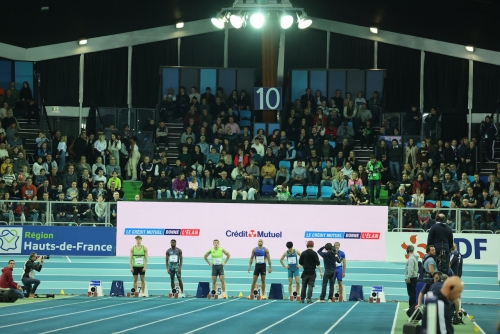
213 295
255 295
377 294
295 297
336 295
95 289
132 293
173 294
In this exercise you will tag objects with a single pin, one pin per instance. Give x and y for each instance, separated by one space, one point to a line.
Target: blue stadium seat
293 143
419 145
284 163
333 144
297 190
245 118
323 164
271 127
312 191
244 123
267 190
349 123
431 201
470 178
445 204
257 126
326 192
484 178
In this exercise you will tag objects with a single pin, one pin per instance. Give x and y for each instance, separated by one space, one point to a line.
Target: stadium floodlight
219 21
236 20
82 42
257 20
286 20
374 30
304 21
469 48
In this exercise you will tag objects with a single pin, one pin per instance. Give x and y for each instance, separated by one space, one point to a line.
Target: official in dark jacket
309 260
441 237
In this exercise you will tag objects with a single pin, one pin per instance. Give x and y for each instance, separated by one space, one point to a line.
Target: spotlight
257 20
219 21
179 25
469 48
286 20
374 30
236 20
82 42
303 21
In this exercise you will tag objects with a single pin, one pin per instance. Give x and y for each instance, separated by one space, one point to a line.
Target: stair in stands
29 135
175 130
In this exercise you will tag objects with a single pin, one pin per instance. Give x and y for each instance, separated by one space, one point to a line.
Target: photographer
456 262
30 283
330 270
374 168
429 262
7 282
441 236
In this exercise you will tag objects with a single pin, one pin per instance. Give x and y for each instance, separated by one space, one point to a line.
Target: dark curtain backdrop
205 50
454 126
105 78
348 52
245 48
402 81
59 80
486 87
446 81
305 48
146 62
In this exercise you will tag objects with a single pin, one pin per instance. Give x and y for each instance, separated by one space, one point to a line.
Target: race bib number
292 260
259 259
173 258
217 261
139 260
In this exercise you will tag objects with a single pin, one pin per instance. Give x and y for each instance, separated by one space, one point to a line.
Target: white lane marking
46 308
174 316
68 258
338 321
291 315
394 321
213 323
116 316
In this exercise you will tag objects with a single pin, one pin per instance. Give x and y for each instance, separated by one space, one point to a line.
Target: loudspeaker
7 296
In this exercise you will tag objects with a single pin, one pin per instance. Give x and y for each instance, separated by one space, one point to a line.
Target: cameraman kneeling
30 283
7 282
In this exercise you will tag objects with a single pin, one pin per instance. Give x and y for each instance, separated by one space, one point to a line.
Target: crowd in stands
218 158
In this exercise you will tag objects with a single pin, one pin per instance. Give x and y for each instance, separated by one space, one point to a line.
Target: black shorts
260 269
138 271
217 270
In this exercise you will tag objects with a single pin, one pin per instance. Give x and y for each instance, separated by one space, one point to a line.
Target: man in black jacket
411 121
33 264
309 260
395 155
441 236
330 271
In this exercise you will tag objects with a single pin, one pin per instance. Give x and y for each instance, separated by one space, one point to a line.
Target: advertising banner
238 227
58 240
475 248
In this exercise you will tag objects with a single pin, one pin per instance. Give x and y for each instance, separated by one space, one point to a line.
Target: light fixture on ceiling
219 21
82 42
237 20
469 48
374 30
257 20
256 12
286 20
304 21
179 25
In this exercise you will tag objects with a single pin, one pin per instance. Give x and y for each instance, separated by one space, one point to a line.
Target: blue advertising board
267 98
58 240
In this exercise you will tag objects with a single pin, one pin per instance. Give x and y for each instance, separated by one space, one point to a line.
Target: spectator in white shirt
101 145
258 146
3 152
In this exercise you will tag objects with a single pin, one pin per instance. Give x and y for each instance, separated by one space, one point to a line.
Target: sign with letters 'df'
267 98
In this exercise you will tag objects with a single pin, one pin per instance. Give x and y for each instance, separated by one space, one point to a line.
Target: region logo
11 240
413 241
254 234
183 232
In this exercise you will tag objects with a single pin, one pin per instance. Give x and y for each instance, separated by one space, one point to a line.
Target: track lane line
291 315
46 308
338 321
115 316
235 315
395 319
175 316
66 314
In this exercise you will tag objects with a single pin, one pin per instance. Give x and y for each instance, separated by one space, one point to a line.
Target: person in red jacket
7 282
29 190
241 157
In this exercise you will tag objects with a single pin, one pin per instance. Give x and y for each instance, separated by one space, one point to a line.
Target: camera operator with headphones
30 283
441 236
